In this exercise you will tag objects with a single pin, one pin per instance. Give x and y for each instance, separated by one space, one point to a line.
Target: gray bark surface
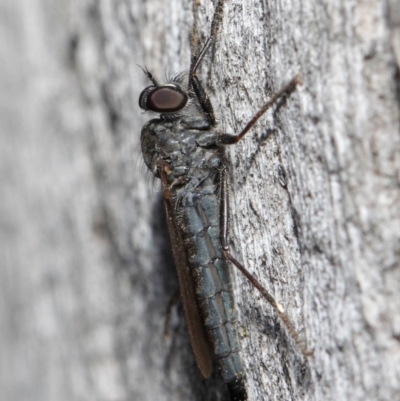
86 271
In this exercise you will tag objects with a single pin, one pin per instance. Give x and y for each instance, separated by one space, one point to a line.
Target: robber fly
187 153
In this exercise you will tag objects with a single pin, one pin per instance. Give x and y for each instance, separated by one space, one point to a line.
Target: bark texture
86 271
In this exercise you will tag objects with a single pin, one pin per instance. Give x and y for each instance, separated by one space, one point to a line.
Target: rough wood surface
86 272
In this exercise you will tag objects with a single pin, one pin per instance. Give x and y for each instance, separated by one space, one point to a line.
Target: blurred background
86 271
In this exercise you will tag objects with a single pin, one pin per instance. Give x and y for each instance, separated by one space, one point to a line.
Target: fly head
168 98
164 99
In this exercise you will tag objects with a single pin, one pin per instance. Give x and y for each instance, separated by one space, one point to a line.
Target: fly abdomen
199 221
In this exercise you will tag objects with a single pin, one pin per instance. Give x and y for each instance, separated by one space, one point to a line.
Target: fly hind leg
224 238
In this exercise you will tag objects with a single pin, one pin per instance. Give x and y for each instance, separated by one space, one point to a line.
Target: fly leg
230 139
224 238
194 81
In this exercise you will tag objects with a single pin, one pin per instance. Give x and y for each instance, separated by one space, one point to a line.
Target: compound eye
166 100
144 96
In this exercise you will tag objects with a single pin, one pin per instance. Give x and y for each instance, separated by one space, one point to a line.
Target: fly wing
200 345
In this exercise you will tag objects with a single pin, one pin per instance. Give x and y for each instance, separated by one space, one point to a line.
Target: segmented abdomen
198 218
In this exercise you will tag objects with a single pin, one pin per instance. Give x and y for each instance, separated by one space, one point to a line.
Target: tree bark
86 270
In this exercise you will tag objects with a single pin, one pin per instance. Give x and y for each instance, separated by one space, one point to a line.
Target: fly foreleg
194 81
198 88
224 238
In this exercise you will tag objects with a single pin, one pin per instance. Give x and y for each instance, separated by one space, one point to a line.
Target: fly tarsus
194 81
230 139
224 239
273 302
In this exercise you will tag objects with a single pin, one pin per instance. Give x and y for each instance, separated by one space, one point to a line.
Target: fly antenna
148 74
